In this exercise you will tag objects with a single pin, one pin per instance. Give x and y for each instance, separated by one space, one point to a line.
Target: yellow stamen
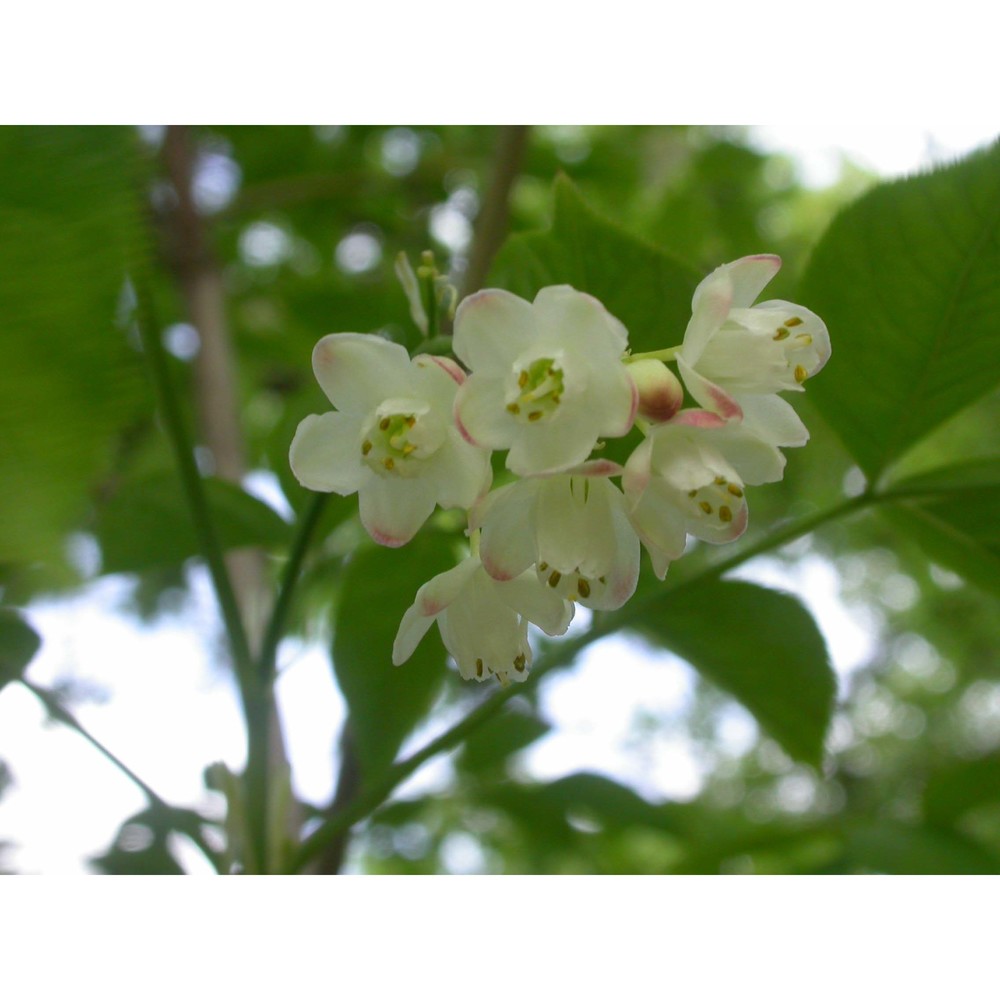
794 321
554 578
735 490
522 380
366 447
805 339
479 668
388 463
583 587
383 424
781 333
705 506
519 662
543 566
535 415
513 408
800 374
720 481
725 514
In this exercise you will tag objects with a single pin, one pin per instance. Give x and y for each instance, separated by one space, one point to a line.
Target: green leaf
70 380
954 790
761 646
489 746
647 289
147 523
899 849
951 512
386 702
906 280
18 644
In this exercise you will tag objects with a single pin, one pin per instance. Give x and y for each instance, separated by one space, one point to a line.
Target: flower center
536 391
573 586
797 347
715 501
399 436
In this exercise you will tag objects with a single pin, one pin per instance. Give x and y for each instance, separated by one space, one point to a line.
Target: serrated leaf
147 524
386 702
644 287
70 380
19 643
760 645
906 280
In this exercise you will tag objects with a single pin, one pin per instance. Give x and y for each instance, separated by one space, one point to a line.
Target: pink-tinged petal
393 510
450 367
708 394
412 629
622 576
756 461
574 518
566 314
358 370
508 545
537 603
774 420
595 467
612 400
660 527
749 277
481 415
637 472
325 454
492 327
444 589
809 324
705 419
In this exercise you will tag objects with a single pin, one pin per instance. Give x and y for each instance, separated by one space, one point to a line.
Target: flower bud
660 391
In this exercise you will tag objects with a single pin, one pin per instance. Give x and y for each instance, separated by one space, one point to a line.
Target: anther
583 587
543 566
725 514
705 506
692 493
409 449
522 380
383 424
479 668
780 334
800 374
513 408
388 463
519 662
794 321
735 490
554 578
535 415
721 480
805 339
410 421
366 447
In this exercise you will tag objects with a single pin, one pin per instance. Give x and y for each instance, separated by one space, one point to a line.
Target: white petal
326 453
480 412
508 545
750 275
394 509
774 420
537 603
755 460
622 576
492 327
810 325
461 472
412 629
708 394
612 400
576 321
660 527
358 370
709 308
575 530
552 445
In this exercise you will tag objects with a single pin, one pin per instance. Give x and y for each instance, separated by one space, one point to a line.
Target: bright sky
158 703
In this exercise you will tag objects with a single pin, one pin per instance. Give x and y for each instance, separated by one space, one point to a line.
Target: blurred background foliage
301 226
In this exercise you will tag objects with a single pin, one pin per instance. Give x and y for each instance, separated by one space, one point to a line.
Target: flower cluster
547 381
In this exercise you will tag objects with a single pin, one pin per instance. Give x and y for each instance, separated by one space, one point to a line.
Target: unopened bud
660 391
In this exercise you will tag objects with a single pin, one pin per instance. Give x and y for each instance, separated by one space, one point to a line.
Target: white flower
688 477
483 622
392 438
736 355
547 376
572 527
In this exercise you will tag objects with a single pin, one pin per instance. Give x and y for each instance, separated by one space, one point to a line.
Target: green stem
60 713
666 354
256 701
372 796
289 579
